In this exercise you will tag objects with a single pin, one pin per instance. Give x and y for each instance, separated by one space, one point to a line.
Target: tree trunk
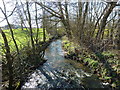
44 26
79 19
13 38
118 41
104 19
83 23
65 21
9 59
85 14
30 27
36 20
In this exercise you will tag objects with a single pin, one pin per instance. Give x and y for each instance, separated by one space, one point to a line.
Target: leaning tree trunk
64 20
13 38
9 59
104 19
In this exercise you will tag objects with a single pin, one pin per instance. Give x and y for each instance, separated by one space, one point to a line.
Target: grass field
22 38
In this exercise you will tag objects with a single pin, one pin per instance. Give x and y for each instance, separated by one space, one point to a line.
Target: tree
118 31
9 59
13 38
83 22
36 19
30 25
104 19
44 26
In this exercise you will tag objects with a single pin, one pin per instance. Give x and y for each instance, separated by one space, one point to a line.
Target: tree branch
51 11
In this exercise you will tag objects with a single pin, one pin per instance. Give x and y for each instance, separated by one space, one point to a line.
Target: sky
1 15
10 5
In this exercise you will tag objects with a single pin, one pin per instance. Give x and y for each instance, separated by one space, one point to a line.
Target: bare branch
51 11
9 14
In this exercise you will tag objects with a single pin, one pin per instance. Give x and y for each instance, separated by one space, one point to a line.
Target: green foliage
99 55
113 60
94 63
107 77
108 54
68 45
88 60
91 62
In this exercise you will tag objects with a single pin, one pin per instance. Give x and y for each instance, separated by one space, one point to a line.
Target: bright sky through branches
9 7
10 4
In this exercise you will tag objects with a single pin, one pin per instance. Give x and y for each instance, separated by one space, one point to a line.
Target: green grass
22 38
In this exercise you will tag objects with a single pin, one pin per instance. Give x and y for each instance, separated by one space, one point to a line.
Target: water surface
59 72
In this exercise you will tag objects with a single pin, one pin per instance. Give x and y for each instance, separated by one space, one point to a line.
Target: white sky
9 8
10 5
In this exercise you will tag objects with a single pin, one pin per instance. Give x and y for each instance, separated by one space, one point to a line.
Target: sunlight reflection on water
57 71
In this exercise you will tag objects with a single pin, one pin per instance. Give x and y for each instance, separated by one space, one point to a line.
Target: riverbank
44 46
92 61
29 63
59 72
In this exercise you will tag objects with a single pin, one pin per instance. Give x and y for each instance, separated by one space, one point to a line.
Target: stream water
59 72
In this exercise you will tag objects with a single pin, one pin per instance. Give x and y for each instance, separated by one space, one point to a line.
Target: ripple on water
57 72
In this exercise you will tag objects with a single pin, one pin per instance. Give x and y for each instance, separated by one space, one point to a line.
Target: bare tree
104 19
44 26
118 41
30 27
13 38
36 19
63 17
83 23
9 59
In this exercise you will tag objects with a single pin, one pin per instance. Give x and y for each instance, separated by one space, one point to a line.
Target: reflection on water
59 72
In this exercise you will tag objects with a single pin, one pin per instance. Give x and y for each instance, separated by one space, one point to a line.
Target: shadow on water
59 72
